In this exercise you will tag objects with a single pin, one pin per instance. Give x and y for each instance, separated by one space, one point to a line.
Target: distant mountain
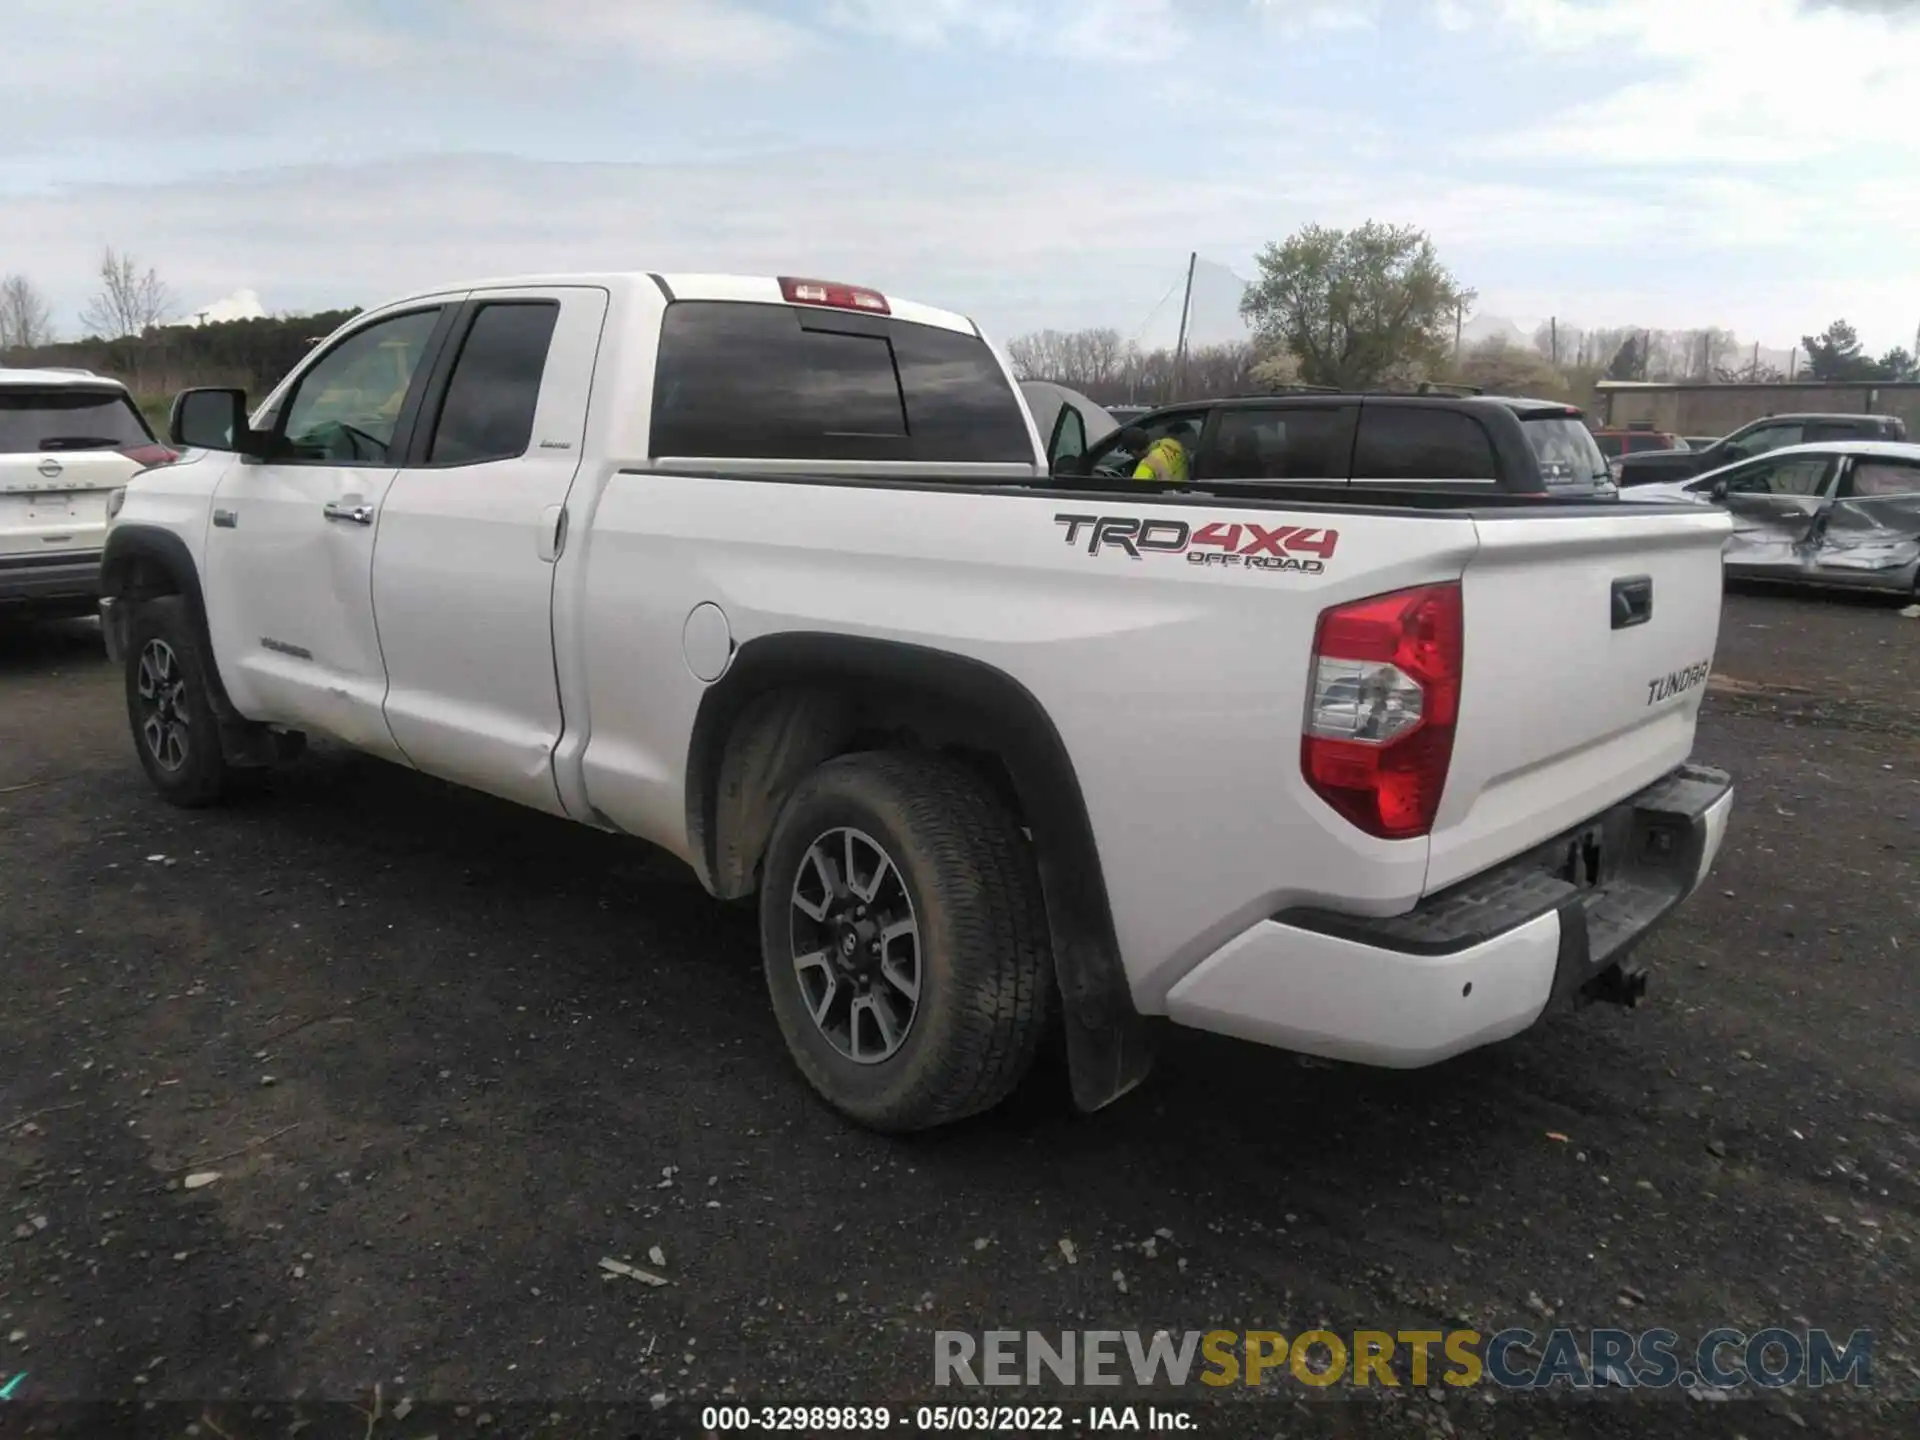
1480 328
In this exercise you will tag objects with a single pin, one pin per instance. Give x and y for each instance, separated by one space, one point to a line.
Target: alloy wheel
162 688
856 945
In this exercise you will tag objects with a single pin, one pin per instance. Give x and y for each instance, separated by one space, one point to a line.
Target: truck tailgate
1588 638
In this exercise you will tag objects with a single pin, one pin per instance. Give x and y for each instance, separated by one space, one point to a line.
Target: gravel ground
446 1056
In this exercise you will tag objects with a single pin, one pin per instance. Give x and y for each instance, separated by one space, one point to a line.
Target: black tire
182 756
983 965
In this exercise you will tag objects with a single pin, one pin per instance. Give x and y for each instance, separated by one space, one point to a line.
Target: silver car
1843 513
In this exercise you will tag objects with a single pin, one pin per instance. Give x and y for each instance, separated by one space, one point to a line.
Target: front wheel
905 940
174 729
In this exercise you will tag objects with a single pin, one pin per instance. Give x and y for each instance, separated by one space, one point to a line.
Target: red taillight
1385 696
149 455
840 297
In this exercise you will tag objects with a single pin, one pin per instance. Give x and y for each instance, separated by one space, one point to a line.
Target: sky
1749 164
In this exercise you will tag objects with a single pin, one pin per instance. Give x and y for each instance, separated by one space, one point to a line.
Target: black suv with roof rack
1439 438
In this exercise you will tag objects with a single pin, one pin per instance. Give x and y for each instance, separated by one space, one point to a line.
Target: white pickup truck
773 574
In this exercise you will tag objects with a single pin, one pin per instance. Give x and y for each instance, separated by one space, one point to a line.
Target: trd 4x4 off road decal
1219 542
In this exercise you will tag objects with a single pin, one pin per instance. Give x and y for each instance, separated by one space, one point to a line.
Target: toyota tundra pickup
1380 752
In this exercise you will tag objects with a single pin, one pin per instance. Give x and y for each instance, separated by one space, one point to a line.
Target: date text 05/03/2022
941 1419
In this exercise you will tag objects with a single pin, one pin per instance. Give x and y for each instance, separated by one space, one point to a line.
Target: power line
1153 312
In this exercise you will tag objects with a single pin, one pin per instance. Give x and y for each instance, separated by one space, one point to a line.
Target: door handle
553 533
225 519
1632 601
353 514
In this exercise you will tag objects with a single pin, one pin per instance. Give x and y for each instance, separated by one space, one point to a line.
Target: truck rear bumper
1478 962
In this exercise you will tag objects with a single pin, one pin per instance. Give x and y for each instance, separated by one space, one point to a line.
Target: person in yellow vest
1166 459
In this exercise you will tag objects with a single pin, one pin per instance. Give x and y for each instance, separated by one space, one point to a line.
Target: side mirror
210 419
1719 490
1070 464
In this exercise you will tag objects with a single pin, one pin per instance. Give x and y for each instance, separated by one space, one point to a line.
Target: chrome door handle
354 514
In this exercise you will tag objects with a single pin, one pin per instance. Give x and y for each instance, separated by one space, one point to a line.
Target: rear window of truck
1567 452
774 382
32 420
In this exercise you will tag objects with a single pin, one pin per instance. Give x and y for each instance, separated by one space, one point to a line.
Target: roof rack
1440 387
1291 388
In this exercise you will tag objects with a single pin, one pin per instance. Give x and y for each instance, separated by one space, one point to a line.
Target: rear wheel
168 707
904 939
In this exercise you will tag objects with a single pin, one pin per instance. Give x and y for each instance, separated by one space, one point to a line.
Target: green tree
1835 354
1899 364
1355 306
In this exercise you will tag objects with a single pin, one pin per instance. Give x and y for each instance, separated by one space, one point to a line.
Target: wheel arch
791 701
146 562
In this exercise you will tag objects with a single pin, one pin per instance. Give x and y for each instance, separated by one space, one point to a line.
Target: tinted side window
1303 443
1819 430
960 406
747 382
1416 442
488 410
1762 439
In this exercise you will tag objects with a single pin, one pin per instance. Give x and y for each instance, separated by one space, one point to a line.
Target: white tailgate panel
1557 717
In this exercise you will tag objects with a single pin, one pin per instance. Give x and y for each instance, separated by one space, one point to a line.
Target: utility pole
1553 329
1458 308
1180 350
1793 362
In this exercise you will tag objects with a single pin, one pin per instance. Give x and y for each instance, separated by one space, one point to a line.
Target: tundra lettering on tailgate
1299 548
1665 687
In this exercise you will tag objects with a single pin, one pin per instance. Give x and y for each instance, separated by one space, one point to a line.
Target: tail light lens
150 455
1386 695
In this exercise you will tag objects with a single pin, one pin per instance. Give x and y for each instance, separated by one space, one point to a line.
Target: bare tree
26 320
1084 360
129 301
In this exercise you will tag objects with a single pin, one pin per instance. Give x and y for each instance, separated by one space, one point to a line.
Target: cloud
1305 16
660 34
1760 83
1140 32
1682 160
1135 31
240 305
1902 9
1019 243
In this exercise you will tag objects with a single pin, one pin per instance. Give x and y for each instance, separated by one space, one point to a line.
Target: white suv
68 440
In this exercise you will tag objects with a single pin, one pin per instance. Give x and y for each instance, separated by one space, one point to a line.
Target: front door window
346 409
